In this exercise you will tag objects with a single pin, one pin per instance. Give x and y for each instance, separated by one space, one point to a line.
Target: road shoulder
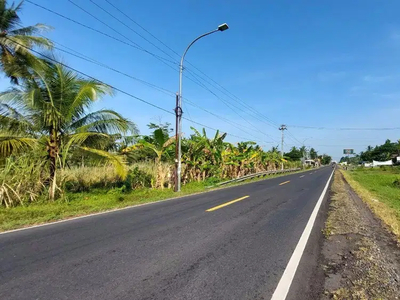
361 258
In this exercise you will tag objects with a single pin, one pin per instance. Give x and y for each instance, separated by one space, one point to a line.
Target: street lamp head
223 27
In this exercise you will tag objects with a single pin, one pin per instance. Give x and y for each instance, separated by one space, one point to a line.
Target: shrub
137 179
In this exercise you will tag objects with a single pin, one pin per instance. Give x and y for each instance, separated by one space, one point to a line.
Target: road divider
226 204
284 182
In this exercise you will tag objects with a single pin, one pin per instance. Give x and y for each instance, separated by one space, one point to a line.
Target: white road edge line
285 282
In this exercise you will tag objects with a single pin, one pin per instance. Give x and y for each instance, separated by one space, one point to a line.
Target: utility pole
178 110
282 128
178 116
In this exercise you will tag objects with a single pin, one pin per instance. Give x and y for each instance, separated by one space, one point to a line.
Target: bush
137 179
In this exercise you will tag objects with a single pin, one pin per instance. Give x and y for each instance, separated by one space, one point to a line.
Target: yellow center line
226 204
284 182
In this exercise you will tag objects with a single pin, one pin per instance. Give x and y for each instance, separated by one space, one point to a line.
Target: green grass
378 186
78 204
85 203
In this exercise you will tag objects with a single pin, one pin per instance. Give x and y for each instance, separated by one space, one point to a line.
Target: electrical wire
225 91
118 89
100 32
137 47
163 90
346 128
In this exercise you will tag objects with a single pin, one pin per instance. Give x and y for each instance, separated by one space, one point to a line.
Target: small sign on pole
348 151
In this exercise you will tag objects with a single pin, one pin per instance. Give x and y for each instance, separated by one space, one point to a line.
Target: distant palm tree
51 112
15 42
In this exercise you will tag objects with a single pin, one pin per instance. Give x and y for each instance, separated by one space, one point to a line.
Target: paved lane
229 244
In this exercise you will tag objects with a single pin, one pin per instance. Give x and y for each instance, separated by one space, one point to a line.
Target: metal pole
179 132
282 128
177 115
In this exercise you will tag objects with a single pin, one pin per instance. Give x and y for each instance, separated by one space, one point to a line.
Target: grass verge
378 189
360 256
79 204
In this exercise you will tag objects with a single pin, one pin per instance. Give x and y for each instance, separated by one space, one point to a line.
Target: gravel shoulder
361 257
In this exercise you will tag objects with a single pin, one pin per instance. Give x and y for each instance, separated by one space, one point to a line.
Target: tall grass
143 174
21 180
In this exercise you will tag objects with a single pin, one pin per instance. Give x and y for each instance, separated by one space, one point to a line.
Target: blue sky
329 64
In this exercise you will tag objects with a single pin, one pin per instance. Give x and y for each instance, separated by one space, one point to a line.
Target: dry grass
360 264
388 215
344 215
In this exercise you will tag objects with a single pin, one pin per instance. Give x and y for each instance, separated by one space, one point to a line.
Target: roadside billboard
348 151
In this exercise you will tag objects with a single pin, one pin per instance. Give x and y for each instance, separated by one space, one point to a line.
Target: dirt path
361 258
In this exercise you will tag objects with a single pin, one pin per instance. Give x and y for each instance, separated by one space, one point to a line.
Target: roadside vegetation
380 189
360 257
59 158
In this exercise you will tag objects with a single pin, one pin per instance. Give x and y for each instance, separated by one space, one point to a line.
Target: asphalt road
168 250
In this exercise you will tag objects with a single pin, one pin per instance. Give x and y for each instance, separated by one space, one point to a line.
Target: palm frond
29 30
88 92
148 145
106 121
15 144
169 142
105 156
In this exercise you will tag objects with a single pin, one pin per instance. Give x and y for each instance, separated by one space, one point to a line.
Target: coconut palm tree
15 42
51 112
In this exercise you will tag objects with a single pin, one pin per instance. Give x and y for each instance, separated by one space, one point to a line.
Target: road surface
233 243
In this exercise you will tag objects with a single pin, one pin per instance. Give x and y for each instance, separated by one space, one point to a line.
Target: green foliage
137 179
15 58
383 183
382 152
294 154
50 111
21 180
313 154
326 159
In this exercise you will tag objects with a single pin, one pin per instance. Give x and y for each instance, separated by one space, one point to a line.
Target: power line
346 128
101 32
163 90
136 47
130 28
143 28
119 90
197 82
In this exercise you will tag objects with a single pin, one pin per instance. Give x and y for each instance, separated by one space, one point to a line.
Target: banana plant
159 142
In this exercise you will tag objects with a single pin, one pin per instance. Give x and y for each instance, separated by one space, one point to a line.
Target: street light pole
178 110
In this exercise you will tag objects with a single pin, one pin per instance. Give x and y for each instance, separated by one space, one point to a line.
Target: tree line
46 127
384 152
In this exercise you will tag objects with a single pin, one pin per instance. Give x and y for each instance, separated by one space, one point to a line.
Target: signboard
348 151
